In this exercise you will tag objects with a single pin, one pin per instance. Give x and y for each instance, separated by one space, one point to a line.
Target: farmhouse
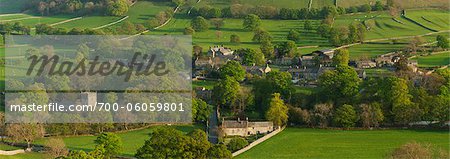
256 70
220 51
365 64
245 128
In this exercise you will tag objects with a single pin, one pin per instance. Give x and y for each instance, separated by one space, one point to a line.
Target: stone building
245 127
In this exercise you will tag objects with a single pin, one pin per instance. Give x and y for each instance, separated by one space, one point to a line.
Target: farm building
245 127
220 51
256 70
366 64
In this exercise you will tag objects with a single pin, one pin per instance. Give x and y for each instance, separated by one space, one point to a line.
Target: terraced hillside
432 18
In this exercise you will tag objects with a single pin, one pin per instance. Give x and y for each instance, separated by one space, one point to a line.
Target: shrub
188 31
55 147
237 143
345 116
235 39
412 150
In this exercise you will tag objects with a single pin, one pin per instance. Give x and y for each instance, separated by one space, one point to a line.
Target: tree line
271 12
83 7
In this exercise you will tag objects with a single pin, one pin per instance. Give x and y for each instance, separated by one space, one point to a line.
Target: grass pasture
132 140
278 28
435 19
89 22
144 10
435 60
373 49
382 25
320 143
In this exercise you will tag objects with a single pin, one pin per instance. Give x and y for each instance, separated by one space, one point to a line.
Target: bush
235 39
412 150
237 143
188 31
299 116
55 147
345 116
294 35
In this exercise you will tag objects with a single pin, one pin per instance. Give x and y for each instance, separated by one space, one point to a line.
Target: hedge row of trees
17 28
271 12
54 7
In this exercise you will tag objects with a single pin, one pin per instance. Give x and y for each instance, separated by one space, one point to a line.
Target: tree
308 26
294 35
299 116
110 142
267 48
219 151
56 147
442 42
339 85
278 111
321 114
345 116
251 22
199 24
286 49
217 22
219 34
361 30
199 144
25 132
235 39
117 8
365 8
378 6
188 31
200 110
232 69
128 28
226 91
251 57
167 142
237 143
404 111
261 35
370 115
342 57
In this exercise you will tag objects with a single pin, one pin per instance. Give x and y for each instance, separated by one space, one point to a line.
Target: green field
382 25
378 72
32 155
132 140
203 83
319 143
89 22
278 28
435 60
435 19
373 50
144 10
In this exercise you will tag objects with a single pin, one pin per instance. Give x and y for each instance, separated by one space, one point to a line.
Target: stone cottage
245 128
